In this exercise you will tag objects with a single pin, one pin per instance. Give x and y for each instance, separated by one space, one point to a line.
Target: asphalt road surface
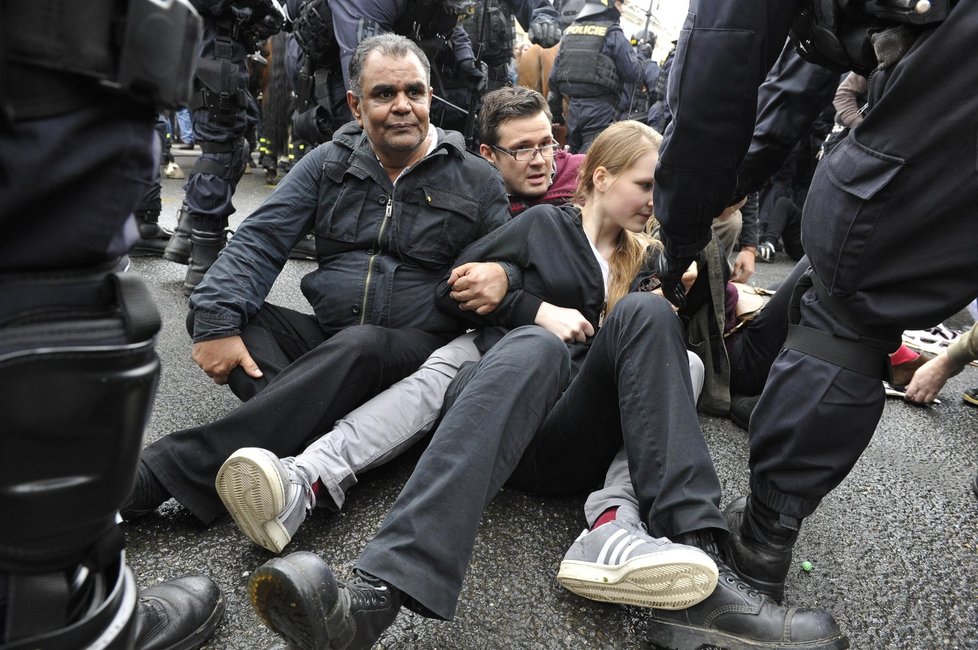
894 549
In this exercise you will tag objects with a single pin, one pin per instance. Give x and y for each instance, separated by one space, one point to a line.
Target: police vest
491 31
428 24
584 70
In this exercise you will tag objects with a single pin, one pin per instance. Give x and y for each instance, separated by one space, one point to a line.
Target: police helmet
461 8
644 36
594 7
569 10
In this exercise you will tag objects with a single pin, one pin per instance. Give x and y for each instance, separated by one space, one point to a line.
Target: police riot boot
204 248
152 238
737 617
179 613
759 545
178 249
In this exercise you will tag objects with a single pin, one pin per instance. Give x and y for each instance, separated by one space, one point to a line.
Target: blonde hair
616 149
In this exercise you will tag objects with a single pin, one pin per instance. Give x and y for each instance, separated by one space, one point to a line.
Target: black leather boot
178 614
759 545
152 238
178 250
737 617
299 597
204 248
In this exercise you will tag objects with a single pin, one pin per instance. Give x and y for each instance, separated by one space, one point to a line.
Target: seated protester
386 184
546 414
269 497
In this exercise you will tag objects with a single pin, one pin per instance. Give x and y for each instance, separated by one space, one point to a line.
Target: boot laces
368 593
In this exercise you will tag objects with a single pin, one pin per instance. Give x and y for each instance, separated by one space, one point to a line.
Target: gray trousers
388 424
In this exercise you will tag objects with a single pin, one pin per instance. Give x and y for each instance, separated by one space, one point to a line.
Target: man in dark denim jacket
392 201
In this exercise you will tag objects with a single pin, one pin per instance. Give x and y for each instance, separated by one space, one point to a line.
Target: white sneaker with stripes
619 562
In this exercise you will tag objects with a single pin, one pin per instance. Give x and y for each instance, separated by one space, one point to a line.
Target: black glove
469 70
260 19
672 278
544 32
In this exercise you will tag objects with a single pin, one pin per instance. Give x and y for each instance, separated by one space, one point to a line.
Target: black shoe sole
676 636
974 485
288 603
174 257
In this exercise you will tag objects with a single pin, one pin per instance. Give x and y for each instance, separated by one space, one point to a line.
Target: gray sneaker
268 497
620 563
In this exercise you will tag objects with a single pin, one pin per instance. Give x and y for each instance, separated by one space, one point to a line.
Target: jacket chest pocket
437 225
341 212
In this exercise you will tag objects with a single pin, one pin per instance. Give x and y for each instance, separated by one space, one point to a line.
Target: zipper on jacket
370 263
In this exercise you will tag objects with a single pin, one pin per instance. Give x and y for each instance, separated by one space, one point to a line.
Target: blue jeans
186 125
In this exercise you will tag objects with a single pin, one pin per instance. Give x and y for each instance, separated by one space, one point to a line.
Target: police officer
659 114
635 97
877 266
594 63
223 111
490 28
327 33
77 367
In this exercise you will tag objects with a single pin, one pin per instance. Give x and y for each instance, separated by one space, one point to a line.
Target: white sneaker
267 497
172 170
619 562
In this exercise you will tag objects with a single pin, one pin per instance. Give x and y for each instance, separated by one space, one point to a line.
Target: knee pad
78 374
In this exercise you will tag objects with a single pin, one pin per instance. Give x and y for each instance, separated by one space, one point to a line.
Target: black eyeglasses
529 153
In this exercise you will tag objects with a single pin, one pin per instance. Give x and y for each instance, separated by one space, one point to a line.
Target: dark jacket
549 245
381 249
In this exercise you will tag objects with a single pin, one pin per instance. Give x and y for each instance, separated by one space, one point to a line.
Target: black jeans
300 402
517 419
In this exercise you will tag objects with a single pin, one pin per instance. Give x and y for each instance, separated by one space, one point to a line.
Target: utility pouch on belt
836 33
147 53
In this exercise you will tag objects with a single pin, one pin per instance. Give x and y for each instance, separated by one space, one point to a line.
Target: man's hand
568 324
929 379
469 70
743 267
218 357
478 286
